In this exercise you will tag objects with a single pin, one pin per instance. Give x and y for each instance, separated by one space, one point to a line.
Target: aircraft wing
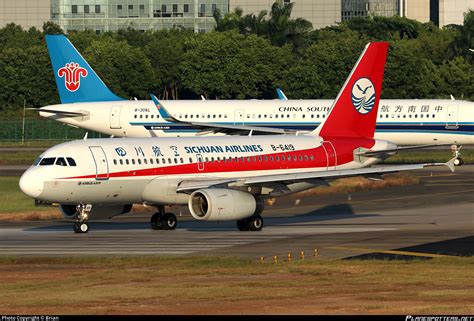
320 177
219 128
392 150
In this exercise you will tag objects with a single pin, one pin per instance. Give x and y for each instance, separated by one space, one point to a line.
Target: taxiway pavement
430 219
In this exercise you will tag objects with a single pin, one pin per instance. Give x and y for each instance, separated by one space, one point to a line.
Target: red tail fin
354 112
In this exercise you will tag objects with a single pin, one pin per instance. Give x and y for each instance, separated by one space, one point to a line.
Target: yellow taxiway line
358 249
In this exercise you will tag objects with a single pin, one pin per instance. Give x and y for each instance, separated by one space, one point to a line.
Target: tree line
246 57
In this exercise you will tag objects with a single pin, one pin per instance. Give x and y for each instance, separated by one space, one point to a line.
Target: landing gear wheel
155 221
169 221
458 161
80 227
84 227
242 225
255 223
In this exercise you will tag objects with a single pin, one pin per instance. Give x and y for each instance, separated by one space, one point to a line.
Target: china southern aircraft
221 178
86 102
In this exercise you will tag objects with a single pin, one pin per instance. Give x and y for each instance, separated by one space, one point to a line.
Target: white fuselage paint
403 122
147 170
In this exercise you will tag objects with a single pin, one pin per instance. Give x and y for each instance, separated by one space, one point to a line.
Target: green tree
457 79
165 53
464 40
126 70
332 58
13 36
229 65
26 74
282 29
408 74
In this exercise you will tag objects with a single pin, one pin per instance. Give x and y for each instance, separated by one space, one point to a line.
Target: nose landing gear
457 153
81 225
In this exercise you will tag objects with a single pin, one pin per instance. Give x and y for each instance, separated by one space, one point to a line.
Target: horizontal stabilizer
61 112
394 150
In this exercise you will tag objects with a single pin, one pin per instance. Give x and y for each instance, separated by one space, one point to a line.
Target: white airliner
219 177
88 103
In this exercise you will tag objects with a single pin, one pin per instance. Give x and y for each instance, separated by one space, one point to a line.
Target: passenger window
301 157
61 161
181 160
176 161
121 162
133 161
311 157
145 161
277 158
127 162
139 161
115 162
190 160
47 161
207 159
271 158
305 157
265 158
169 161
163 161
71 161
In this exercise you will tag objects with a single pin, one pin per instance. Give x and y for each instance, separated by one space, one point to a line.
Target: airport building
197 15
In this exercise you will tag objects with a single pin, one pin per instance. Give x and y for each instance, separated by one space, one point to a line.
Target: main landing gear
163 221
81 225
252 223
457 153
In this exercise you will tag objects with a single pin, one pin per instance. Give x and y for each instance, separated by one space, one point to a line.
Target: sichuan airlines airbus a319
86 102
221 178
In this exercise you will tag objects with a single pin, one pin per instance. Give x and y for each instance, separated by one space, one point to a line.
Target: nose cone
30 184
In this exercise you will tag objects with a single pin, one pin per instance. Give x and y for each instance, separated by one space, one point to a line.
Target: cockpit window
71 161
61 161
37 161
47 161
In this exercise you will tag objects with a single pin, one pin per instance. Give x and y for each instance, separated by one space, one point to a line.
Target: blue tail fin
77 82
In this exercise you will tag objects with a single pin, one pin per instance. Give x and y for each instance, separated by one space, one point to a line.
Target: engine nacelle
221 204
98 212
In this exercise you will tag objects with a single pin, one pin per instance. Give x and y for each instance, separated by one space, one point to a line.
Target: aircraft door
330 155
452 116
239 117
101 165
200 162
115 117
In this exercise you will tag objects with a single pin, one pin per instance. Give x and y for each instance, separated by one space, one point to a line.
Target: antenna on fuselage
85 136
452 97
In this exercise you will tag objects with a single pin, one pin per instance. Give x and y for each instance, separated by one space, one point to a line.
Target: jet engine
220 204
98 212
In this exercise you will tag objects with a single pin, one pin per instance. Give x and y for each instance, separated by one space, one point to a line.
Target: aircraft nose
30 184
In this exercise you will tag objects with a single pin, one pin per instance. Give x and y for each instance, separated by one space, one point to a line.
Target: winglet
450 164
281 95
162 110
